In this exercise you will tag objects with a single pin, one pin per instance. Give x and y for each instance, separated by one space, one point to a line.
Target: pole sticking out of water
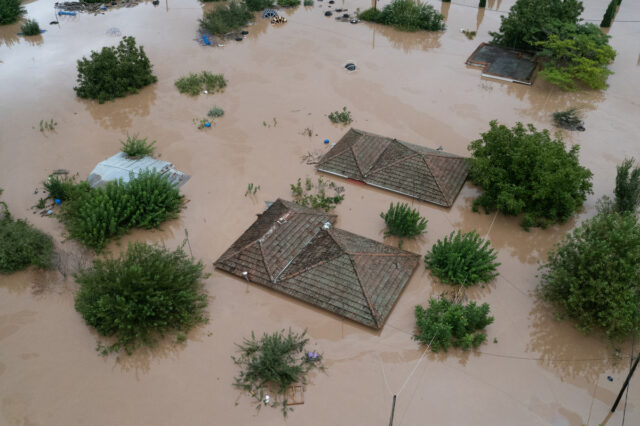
626 383
393 409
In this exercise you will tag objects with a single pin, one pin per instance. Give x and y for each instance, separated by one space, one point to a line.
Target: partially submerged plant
10 11
303 194
446 323
273 364
224 19
201 123
288 3
403 221
343 116
469 34
135 147
307 132
48 125
406 15
251 189
194 84
627 191
30 28
61 187
308 2
215 112
569 119
464 259
145 293
259 5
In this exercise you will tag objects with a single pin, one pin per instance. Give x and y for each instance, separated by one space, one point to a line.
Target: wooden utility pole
626 383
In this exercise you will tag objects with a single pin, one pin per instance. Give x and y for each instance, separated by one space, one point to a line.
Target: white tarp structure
120 166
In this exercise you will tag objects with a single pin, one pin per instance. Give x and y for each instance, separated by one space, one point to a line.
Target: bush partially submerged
137 298
343 116
135 147
114 72
225 19
627 191
464 259
30 28
273 363
525 171
592 275
288 3
445 323
63 187
10 11
259 5
406 15
569 119
22 245
99 214
215 112
305 196
194 84
403 221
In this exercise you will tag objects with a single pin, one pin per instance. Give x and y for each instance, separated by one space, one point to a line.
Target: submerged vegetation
446 323
568 119
215 112
22 245
95 215
225 19
135 147
274 363
259 5
114 72
289 3
194 84
10 11
62 187
627 191
145 293
315 196
403 221
406 15
343 117
524 171
464 259
30 28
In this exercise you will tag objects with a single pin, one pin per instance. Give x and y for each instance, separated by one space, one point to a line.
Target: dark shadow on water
407 41
118 114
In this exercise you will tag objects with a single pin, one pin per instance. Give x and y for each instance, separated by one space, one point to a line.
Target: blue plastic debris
206 40
326 141
207 124
61 12
58 202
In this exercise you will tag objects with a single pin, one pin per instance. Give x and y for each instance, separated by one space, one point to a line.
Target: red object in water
356 181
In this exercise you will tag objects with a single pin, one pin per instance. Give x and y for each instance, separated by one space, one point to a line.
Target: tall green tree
627 190
10 11
522 170
577 54
531 21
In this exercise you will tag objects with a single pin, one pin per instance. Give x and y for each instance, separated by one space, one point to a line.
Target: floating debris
328 13
279 20
350 66
269 13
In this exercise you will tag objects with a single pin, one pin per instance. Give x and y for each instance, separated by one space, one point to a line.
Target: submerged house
121 166
296 250
426 174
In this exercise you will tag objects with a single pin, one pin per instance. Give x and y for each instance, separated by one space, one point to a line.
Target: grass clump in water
259 5
10 11
406 15
22 245
288 3
193 84
318 199
444 324
403 221
135 147
225 19
93 216
215 112
569 119
273 363
464 259
30 28
145 293
343 116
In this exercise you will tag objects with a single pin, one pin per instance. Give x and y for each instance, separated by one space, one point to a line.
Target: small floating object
62 12
206 40
326 141
103 7
609 378
207 124
350 66
155 2
54 23
49 212
58 201
355 21
269 13
331 1
338 10
205 92
238 38
266 399
345 15
245 32
328 13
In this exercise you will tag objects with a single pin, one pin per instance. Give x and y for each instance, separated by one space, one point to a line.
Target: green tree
114 72
627 191
592 275
522 170
406 15
403 221
146 292
10 11
531 21
225 19
464 259
577 53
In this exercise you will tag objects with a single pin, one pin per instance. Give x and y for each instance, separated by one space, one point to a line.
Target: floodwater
281 80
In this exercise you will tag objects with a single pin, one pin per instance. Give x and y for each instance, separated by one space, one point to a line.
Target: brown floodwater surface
281 80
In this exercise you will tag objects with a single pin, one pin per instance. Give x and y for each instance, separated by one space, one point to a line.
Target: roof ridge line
275 280
264 260
374 312
327 157
436 179
355 157
395 162
315 265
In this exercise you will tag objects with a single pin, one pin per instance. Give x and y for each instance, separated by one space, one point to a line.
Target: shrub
303 194
627 191
464 259
63 187
259 5
273 363
95 216
406 15
483 3
577 53
215 112
114 72
137 148
308 2
403 221
592 275
288 3
445 323
146 292
609 14
343 116
193 84
522 170
30 28
569 119
22 245
10 11
225 19
531 21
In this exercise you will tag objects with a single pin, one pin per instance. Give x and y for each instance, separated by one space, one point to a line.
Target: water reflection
420 40
118 114
444 9
9 34
479 18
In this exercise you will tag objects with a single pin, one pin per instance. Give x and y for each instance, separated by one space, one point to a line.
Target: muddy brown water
411 86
